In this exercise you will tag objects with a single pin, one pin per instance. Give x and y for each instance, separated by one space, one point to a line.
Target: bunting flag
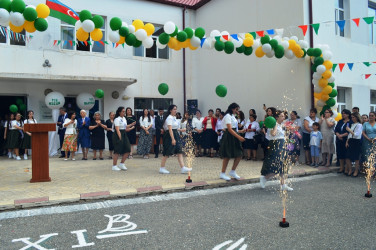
368 20
224 37
270 32
260 33
101 42
356 21
367 64
235 36
55 42
316 27
341 65
304 29
351 65
341 24
253 34
334 66
203 40
367 76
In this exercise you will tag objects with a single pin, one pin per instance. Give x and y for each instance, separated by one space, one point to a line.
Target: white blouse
310 123
120 122
197 123
279 135
230 119
254 125
183 125
71 128
357 128
171 120
30 121
144 122
13 125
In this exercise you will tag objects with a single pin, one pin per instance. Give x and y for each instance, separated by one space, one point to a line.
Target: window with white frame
340 15
153 52
12 38
341 99
372 27
150 103
373 101
69 41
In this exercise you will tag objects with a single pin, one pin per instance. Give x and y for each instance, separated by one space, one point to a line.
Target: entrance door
19 101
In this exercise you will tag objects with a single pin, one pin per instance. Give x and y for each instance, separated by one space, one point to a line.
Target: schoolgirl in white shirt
26 143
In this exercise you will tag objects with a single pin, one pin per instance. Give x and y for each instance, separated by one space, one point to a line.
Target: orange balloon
328 65
29 27
172 43
292 44
192 48
327 74
317 95
327 90
122 40
323 83
259 52
17 29
296 48
339 117
324 97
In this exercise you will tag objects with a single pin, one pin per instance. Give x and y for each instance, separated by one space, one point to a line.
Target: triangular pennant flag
65 43
367 75
304 29
351 65
31 36
58 42
368 20
202 41
85 42
101 42
356 21
70 42
316 27
270 32
117 45
113 45
89 42
217 38
105 42
123 45
82 43
341 65
341 24
367 64
279 32
253 34
235 36
74 43
2 31
334 66
55 42
260 33
225 37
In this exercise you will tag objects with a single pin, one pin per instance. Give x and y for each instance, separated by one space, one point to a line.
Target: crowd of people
218 134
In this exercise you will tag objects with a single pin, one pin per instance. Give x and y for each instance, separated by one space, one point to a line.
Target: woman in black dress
341 138
131 133
109 124
97 128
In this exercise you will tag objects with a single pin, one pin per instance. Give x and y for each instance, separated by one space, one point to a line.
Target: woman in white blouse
16 134
197 130
70 137
171 142
251 127
353 144
26 142
145 139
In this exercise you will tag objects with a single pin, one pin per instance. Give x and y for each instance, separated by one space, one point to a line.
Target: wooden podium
39 145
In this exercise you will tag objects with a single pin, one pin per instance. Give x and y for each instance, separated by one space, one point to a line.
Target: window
69 41
372 27
373 100
12 38
341 99
150 103
340 15
153 52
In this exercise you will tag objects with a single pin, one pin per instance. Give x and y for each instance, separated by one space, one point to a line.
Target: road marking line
143 200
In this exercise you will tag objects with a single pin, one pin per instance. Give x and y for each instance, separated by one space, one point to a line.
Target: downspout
311 46
184 80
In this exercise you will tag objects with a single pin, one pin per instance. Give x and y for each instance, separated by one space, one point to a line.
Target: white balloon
124 24
195 41
270 54
88 26
289 54
285 44
132 29
207 44
285 38
335 113
85 101
237 43
256 44
327 55
331 79
54 100
317 89
169 27
278 38
17 19
267 48
114 36
4 16
148 42
5 24
215 33
78 25
320 103
31 6
141 34
315 82
224 33
320 69
316 76
335 106
295 38
325 47
160 46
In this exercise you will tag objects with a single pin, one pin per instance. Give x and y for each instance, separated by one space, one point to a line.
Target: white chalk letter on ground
37 243
81 237
119 225
231 247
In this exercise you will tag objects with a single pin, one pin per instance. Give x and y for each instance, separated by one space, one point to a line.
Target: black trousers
157 142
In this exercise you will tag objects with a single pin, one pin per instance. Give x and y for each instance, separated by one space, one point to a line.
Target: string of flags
13 35
86 43
341 66
366 76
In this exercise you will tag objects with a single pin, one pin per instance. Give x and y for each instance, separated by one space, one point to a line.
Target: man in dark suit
158 130
61 130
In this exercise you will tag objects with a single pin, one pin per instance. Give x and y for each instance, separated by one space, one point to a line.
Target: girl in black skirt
171 142
131 133
7 126
231 143
109 124
209 135
120 139
197 131
274 160
26 142
97 128
353 144
16 135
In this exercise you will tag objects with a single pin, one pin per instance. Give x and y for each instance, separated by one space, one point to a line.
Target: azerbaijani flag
62 12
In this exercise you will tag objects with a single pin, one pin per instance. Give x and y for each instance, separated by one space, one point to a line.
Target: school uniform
7 130
158 122
219 128
168 148
26 142
15 135
197 124
276 155
209 135
121 145
230 147
250 142
354 150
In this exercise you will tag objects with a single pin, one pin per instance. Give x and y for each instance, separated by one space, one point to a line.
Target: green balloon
240 49
41 24
99 93
265 39
331 102
124 31
189 32
30 14
98 21
164 38
270 122
163 88
229 47
310 51
279 51
326 107
314 67
248 51
115 23
6 4
273 43
317 52
182 36
261 123
221 90
305 52
23 107
200 32
331 84
219 45
85 15
318 61
131 39
137 43
334 93
175 32
19 101
18 6
13 108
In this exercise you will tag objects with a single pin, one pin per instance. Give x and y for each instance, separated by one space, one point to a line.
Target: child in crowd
315 144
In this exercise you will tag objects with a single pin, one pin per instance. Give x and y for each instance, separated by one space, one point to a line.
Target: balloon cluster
18 16
180 39
135 34
323 80
89 25
20 105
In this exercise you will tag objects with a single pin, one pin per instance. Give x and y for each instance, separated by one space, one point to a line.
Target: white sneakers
122 166
10 155
115 168
185 170
25 156
234 175
14 156
163 171
227 178
18 158
285 187
224 177
263 181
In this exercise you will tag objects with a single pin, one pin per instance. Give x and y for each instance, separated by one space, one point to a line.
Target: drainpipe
184 80
311 45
